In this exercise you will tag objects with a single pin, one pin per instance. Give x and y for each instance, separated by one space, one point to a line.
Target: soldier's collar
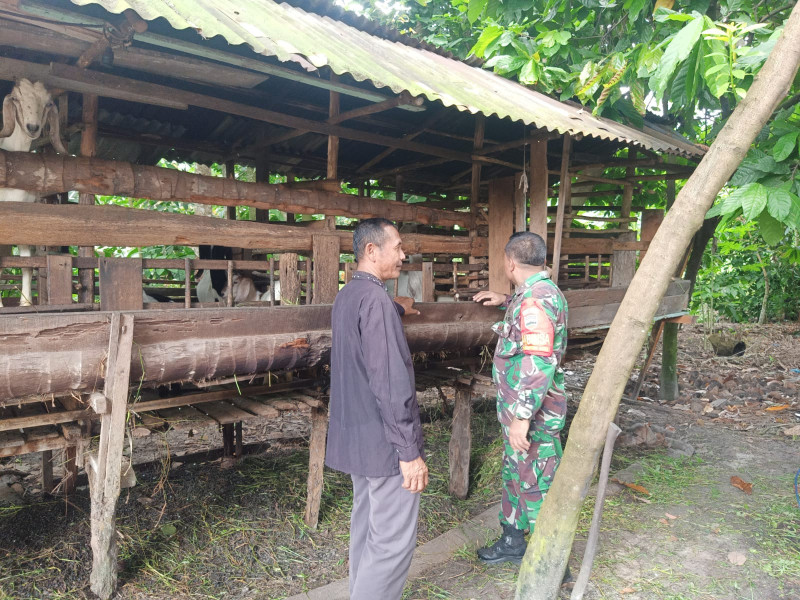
532 279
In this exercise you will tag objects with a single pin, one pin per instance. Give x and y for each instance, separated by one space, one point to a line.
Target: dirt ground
683 532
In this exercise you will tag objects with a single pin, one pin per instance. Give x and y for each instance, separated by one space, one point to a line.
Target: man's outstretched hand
489 298
407 304
415 475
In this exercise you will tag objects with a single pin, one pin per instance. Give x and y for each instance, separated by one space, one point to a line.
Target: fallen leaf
738 482
633 486
777 408
792 430
640 499
664 521
736 558
673 538
627 590
669 516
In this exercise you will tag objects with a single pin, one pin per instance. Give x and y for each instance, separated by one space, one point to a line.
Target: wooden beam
88 149
501 226
539 186
460 441
48 174
407 137
316 465
325 257
563 198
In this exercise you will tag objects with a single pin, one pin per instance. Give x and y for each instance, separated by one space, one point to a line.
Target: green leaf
733 201
529 74
754 201
779 203
784 146
490 34
793 218
676 52
475 9
771 230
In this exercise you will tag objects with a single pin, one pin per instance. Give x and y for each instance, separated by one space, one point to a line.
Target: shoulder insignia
537 328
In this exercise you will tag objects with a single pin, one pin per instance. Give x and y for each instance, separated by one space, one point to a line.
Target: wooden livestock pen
337 118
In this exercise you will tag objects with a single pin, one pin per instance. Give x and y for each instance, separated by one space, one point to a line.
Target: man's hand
407 304
491 298
415 475
518 434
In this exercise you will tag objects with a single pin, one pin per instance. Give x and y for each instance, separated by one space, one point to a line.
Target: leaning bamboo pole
548 550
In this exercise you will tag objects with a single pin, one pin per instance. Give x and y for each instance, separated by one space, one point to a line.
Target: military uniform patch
537 328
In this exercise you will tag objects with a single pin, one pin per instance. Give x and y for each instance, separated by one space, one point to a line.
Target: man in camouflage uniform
531 403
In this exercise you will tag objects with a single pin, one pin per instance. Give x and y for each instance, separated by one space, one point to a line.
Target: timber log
59 353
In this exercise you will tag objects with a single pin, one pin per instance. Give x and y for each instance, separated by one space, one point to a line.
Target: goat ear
55 130
9 118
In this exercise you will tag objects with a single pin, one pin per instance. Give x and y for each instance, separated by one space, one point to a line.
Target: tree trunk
699 243
762 317
548 550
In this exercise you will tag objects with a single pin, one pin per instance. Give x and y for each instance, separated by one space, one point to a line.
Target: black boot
510 547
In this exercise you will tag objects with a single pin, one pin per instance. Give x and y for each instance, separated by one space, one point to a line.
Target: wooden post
333 147
564 197
461 440
501 226
88 148
316 463
349 269
538 188
59 279
289 277
623 262
120 283
262 176
651 221
105 467
325 256
428 285
520 199
187 283
47 471
668 379
230 173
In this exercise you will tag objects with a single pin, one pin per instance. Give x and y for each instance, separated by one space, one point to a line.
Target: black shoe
509 548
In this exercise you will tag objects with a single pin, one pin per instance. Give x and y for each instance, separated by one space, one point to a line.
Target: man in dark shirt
375 433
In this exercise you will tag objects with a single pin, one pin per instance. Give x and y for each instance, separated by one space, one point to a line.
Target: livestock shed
338 119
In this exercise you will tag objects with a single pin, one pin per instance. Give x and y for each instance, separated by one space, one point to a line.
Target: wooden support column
230 173
333 147
105 466
120 283
59 279
289 277
623 262
428 284
349 269
501 226
475 186
88 148
325 260
564 198
262 176
316 463
520 200
461 439
47 471
538 189
651 221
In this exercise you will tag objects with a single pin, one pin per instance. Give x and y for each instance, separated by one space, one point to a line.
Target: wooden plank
35 446
59 279
224 412
47 471
120 283
86 288
325 253
460 442
44 433
651 221
564 198
11 439
152 421
538 189
256 407
185 418
623 263
105 480
305 398
316 463
65 225
501 226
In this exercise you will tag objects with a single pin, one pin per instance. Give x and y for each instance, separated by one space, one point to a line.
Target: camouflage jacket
532 341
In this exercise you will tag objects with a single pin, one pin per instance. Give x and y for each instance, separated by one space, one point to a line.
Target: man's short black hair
527 248
369 231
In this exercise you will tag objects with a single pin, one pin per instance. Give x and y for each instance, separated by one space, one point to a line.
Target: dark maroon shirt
374 415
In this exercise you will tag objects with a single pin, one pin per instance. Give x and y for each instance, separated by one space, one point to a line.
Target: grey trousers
383 535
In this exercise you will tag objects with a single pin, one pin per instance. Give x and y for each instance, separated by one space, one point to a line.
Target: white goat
409 283
26 110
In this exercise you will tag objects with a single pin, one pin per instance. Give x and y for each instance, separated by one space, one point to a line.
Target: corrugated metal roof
314 41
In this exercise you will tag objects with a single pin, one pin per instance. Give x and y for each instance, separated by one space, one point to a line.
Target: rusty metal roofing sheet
314 41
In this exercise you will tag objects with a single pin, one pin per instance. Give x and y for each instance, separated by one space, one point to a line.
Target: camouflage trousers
527 476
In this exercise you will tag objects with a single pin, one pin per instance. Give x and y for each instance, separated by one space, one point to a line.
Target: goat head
30 106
